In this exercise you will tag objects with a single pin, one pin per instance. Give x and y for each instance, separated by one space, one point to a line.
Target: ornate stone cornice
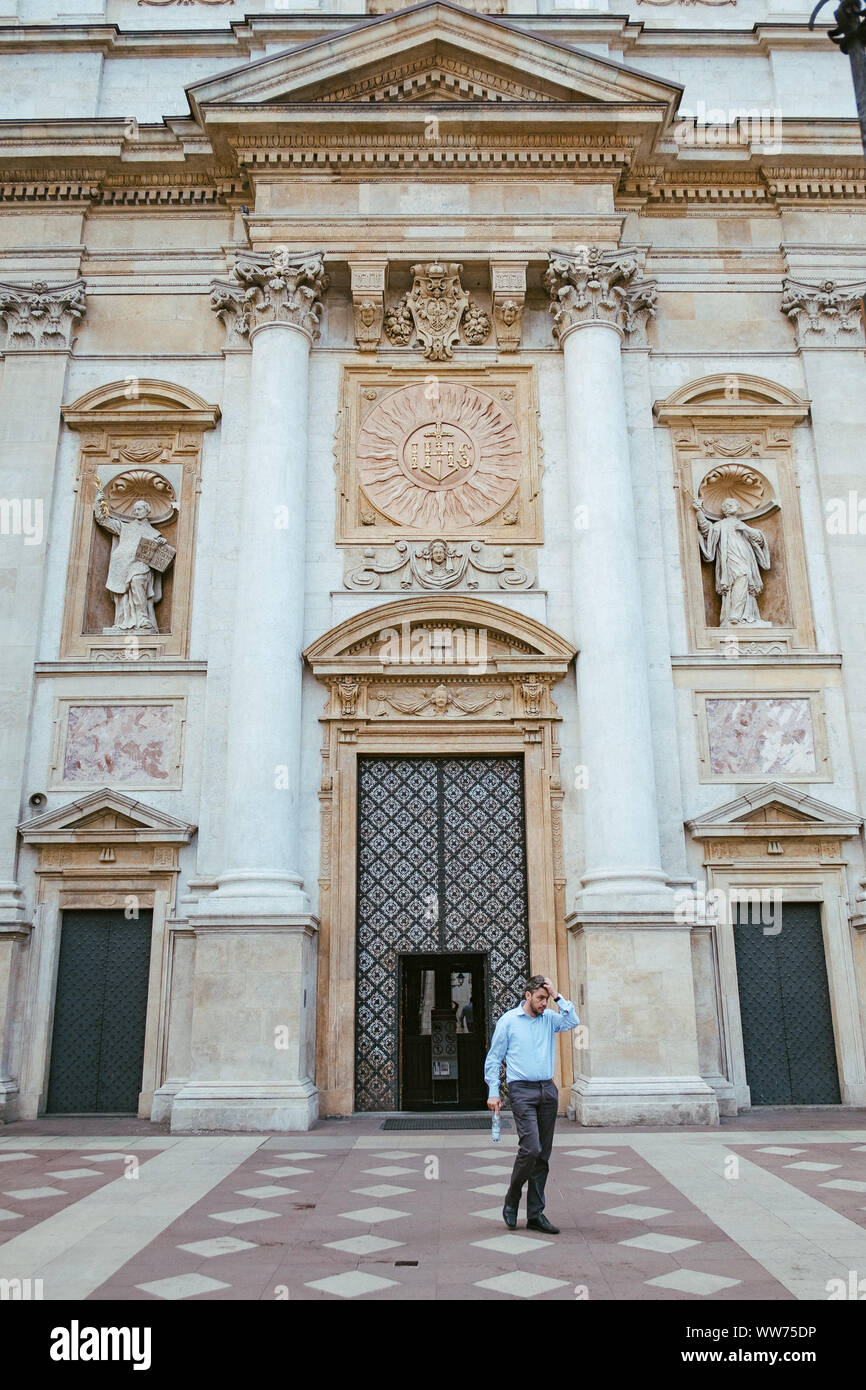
826 314
279 288
41 316
599 287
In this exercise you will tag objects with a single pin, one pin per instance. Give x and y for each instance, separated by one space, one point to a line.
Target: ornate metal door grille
97 1049
785 1008
441 867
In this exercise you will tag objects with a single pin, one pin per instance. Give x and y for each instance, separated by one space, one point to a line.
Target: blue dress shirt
526 1043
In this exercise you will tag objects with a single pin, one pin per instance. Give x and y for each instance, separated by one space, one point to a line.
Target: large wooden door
97 1046
788 1041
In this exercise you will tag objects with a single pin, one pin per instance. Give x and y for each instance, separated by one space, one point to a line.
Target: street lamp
850 35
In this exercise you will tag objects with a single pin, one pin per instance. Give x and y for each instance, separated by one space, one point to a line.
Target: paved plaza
349 1211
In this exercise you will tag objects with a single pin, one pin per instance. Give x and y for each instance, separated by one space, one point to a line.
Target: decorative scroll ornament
437 565
280 288
440 701
599 286
435 309
186 2
438 465
508 283
826 314
41 316
368 301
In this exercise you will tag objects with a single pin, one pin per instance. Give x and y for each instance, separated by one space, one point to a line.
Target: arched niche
732 435
140 439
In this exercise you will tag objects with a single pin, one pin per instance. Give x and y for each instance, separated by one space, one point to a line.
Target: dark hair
533 983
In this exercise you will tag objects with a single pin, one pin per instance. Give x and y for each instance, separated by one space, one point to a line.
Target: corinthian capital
279 288
826 314
598 286
40 315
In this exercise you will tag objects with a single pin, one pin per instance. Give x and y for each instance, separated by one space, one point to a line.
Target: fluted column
626 950
595 300
253 1024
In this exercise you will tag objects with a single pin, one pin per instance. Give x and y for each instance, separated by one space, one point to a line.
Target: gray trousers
534 1105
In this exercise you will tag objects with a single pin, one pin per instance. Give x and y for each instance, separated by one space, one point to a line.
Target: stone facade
429 382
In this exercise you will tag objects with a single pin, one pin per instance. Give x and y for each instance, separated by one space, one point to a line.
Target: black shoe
509 1216
541 1223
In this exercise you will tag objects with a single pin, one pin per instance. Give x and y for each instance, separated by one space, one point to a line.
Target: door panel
788 1038
97 1049
441 869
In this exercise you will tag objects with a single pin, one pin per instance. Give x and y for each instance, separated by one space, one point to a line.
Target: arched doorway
441 816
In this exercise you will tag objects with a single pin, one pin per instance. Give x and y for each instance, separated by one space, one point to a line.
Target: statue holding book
139 558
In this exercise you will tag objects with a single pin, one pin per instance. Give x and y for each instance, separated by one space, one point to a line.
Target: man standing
523 1037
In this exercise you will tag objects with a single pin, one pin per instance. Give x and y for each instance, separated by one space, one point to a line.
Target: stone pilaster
641 1063
38 322
254 996
828 320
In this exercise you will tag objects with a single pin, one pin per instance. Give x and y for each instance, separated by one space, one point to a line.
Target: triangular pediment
104 814
777 808
432 52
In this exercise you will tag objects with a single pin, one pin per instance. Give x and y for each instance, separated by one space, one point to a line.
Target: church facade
433 526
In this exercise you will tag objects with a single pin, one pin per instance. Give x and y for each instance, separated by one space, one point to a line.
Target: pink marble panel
771 737
119 743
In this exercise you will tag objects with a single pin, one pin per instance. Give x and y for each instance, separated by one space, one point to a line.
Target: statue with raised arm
139 555
740 552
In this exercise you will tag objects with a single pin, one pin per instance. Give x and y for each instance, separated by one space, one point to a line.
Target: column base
255 894
245 1109
624 895
643 1100
163 1099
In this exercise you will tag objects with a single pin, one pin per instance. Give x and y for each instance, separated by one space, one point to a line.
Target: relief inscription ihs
438 465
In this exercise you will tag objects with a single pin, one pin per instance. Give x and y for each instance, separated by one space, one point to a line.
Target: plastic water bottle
496 1127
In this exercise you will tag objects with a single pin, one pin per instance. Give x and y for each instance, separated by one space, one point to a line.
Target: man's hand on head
550 987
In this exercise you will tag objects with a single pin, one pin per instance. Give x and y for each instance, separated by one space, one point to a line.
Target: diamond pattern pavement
435 1239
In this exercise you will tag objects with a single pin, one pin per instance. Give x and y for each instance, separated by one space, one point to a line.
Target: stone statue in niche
139 553
740 552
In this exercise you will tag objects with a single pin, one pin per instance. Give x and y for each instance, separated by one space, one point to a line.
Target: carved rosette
600 287
437 310
41 316
825 315
279 288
